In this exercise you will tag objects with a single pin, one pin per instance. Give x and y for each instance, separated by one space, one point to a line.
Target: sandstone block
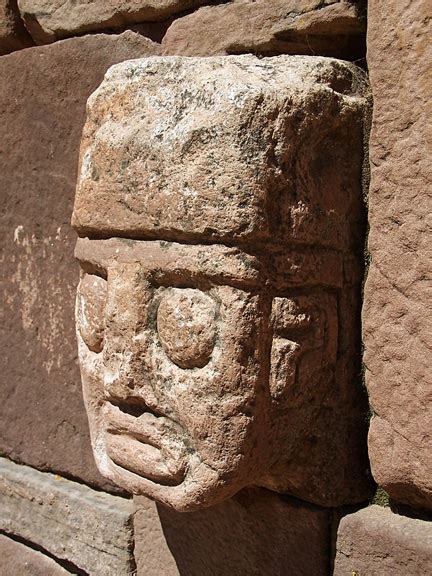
20 560
257 533
397 309
50 20
91 529
170 142
43 92
270 27
217 311
13 35
374 541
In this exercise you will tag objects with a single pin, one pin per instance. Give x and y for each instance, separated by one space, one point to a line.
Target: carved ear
90 310
300 325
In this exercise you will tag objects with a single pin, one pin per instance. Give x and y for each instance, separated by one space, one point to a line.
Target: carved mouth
143 441
134 407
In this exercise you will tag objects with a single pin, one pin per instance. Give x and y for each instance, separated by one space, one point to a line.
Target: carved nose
118 372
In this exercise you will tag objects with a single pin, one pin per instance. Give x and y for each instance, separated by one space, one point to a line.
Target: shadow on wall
255 533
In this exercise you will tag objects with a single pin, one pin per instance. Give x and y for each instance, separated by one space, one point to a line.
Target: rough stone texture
374 541
16 559
42 109
222 366
13 35
270 27
257 533
227 149
50 20
91 529
398 311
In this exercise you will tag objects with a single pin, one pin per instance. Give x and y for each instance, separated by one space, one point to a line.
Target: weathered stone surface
16 559
229 359
91 529
50 20
42 109
13 35
182 149
398 311
269 27
257 533
374 541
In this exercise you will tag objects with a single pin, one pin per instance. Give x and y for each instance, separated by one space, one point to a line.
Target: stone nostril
135 407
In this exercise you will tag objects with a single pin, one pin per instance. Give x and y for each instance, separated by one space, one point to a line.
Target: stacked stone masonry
316 27
210 257
42 418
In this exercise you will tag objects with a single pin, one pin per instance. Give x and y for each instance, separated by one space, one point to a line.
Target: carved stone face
186 363
171 371
215 311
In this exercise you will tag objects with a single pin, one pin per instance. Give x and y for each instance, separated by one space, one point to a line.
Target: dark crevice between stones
409 511
66 564
154 30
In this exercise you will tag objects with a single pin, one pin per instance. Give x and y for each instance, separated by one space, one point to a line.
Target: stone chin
200 488
191 486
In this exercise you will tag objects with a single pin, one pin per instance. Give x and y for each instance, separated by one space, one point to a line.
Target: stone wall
58 515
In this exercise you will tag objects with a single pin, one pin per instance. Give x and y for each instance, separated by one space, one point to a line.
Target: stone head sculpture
219 209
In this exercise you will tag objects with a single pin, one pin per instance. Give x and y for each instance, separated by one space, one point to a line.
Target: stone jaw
260 242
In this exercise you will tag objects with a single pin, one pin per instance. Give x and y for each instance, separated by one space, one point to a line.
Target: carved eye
90 310
186 326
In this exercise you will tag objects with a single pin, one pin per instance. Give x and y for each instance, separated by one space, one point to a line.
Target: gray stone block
91 529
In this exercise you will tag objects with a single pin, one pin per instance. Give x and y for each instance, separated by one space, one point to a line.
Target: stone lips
200 414
232 149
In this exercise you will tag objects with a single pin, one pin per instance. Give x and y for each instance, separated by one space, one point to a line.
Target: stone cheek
215 320
90 310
